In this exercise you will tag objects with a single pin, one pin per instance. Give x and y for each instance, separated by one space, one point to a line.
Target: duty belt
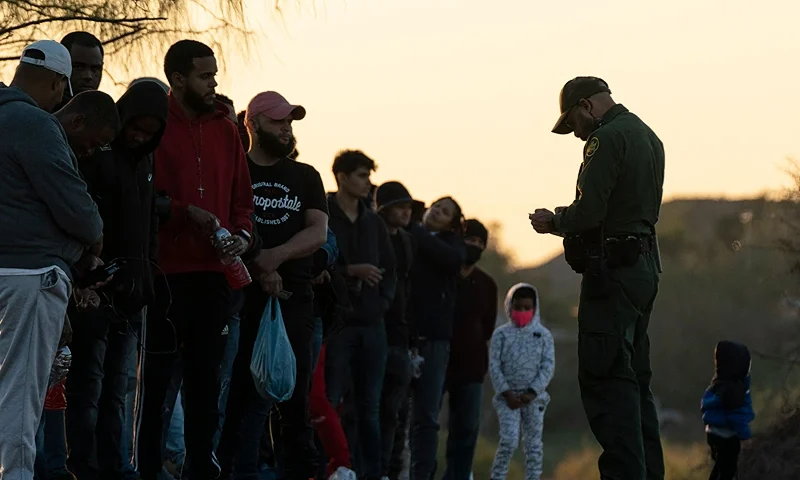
645 240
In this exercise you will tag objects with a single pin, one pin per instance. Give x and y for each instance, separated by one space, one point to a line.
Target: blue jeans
247 411
96 389
174 444
357 356
316 342
51 446
426 402
465 402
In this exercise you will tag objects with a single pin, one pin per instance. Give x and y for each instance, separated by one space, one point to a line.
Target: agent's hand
203 221
366 272
271 283
512 399
542 220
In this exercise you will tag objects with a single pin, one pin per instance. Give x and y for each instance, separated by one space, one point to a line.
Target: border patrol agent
609 237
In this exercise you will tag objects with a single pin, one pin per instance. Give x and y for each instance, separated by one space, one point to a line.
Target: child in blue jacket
728 408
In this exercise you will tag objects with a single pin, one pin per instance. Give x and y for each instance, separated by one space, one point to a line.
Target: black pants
246 411
192 325
394 396
102 347
396 461
725 453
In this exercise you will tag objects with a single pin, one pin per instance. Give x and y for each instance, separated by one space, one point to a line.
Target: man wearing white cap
50 226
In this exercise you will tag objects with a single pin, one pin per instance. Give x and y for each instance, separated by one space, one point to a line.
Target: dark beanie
474 228
391 193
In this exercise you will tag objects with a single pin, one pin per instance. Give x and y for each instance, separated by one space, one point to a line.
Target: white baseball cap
56 58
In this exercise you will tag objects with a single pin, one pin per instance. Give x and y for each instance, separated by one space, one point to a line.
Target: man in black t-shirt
291 221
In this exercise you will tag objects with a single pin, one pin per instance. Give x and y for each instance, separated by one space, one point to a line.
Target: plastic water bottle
235 271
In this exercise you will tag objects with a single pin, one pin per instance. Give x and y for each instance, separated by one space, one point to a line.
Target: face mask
473 255
521 318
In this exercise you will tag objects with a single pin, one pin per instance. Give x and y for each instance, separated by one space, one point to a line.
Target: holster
624 251
574 253
591 253
584 251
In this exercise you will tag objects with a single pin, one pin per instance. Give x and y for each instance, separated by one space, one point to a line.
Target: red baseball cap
273 106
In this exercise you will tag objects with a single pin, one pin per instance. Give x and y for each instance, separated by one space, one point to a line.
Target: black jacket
400 329
120 179
437 265
365 241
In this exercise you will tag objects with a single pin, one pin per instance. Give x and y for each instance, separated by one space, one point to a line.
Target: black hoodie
120 179
732 366
364 241
437 266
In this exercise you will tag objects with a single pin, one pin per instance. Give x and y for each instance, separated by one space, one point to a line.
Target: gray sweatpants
528 420
33 304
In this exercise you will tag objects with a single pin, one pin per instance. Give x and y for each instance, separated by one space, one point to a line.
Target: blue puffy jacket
738 419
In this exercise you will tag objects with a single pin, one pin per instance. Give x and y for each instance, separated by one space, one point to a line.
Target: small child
728 408
521 365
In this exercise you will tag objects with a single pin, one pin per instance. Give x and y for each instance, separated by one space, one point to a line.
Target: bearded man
200 169
291 220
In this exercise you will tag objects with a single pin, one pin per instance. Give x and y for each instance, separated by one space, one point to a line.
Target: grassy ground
571 455
484 455
557 446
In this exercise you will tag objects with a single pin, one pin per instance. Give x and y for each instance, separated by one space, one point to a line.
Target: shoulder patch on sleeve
591 147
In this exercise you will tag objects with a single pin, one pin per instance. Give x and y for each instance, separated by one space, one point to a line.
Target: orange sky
458 96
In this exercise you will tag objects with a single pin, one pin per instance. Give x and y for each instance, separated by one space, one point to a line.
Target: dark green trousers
614 370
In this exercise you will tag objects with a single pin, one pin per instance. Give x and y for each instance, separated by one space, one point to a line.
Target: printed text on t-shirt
274 203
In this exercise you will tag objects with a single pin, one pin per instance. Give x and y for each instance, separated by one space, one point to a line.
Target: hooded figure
521 365
727 406
120 178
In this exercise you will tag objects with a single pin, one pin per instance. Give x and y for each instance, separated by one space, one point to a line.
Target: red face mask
521 318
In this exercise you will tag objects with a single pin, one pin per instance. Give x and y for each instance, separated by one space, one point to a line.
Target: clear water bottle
235 271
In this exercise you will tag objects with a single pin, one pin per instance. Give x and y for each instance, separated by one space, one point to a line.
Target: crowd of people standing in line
381 298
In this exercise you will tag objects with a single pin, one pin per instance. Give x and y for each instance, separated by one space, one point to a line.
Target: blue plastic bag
273 364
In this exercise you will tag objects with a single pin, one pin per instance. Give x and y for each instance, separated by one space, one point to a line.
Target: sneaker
343 473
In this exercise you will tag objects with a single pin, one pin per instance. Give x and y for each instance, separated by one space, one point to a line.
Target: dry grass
774 453
682 463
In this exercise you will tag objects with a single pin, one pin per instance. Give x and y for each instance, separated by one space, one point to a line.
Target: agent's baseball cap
273 106
56 58
573 92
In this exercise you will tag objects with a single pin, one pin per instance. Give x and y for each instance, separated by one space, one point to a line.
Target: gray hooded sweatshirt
46 215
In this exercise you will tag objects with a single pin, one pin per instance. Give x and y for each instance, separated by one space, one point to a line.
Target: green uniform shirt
620 181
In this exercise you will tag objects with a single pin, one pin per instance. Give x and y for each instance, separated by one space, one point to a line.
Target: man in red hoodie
200 165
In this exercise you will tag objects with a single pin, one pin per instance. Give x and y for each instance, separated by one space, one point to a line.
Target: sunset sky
458 96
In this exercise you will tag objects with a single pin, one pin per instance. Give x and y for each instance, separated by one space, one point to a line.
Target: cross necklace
197 151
